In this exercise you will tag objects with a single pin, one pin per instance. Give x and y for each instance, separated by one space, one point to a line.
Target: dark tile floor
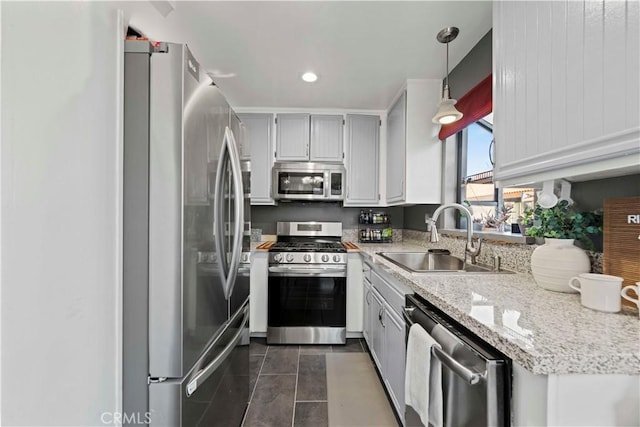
289 383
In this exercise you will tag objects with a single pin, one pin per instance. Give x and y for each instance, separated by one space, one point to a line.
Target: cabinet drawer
391 290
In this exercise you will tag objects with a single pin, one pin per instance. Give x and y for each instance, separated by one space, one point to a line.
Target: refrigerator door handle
218 215
206 372
236 173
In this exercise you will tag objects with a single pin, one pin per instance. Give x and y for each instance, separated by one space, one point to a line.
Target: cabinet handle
366 297
380 316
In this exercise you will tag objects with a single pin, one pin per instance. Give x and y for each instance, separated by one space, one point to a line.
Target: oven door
307 307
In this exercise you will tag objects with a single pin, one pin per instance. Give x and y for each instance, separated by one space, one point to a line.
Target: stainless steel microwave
308 181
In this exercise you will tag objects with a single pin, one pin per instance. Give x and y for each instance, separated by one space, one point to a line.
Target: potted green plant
559 222
555 262
525 221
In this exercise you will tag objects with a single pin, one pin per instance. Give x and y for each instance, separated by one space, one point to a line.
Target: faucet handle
474 251
434 232
496 263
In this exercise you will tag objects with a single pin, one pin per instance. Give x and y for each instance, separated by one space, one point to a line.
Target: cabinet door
396 149
366 328
239 133
558 108
363 141
292 142
326 138
354 292
259 141
258 292
394 341
377 328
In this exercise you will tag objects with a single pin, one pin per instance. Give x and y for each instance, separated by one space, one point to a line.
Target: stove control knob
289 257
277 257
307 258
336 258
325 258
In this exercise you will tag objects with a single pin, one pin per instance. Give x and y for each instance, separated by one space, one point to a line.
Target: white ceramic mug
598 291
625 294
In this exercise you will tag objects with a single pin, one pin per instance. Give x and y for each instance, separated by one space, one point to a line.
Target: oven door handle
459 369
320 271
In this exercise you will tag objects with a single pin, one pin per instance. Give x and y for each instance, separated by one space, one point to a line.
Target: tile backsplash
513 256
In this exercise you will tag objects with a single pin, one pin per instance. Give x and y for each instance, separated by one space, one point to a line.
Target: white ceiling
362 51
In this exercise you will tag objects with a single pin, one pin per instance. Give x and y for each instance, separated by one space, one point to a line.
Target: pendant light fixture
447 112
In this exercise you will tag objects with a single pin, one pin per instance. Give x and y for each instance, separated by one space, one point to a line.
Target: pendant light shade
447 112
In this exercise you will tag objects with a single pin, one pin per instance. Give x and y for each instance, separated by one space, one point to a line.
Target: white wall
60 215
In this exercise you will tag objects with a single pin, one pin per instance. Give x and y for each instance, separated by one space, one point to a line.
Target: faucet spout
470 249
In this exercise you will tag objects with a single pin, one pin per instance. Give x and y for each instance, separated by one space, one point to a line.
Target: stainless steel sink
432 262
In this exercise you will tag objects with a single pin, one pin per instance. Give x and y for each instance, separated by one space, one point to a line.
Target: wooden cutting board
621 236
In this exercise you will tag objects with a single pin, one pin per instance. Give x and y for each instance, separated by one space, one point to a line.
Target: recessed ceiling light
309 77
217 74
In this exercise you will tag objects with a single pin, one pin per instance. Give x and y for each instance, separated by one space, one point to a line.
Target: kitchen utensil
598 291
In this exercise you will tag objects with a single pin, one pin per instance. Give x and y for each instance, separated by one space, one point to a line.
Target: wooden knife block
621 237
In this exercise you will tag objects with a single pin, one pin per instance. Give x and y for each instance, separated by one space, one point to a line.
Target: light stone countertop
546 332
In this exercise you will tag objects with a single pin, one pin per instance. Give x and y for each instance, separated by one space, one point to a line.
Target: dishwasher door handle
460 370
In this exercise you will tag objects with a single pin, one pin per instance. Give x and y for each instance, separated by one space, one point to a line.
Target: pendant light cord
446 84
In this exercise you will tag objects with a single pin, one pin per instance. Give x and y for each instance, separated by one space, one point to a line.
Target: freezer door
188 117
216 391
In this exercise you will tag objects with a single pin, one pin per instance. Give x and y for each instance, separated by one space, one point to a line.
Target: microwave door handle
327 184
236 173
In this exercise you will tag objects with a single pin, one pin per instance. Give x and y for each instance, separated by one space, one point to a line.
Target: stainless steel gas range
307 287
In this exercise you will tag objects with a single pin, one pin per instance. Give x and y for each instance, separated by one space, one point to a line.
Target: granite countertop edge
548 350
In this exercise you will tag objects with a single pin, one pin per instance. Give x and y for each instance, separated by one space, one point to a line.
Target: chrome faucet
470 249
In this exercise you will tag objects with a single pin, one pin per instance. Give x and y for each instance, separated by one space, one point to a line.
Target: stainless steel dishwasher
476 378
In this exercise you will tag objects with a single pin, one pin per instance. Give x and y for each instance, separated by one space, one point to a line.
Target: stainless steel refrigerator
186 245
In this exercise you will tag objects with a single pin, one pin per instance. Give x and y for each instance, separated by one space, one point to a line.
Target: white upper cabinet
292 142
326 138
414 152
240 134
396 149
258 141
305 137
566 89
362 148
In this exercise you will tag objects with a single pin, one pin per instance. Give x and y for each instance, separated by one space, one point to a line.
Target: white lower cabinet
384 331
394 361
354 293
258 292
377 329
366 312
574 399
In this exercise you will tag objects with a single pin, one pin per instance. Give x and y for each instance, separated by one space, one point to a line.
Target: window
475 179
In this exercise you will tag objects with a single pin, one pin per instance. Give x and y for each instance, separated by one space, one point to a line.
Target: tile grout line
252 393
295 393
257 378
264 357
